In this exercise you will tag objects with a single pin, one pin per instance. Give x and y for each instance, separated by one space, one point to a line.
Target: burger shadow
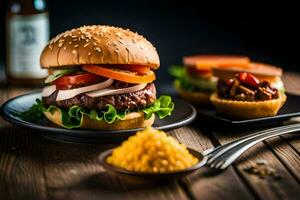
109 182
21 142
115 183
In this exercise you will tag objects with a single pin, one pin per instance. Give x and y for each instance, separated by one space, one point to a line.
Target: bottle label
27 36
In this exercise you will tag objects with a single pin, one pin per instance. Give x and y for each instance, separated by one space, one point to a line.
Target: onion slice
48 90
114 91
67 94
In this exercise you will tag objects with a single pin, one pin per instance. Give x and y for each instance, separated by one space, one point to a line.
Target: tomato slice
77 79
141 69
119 74
197 72
208 61
248 79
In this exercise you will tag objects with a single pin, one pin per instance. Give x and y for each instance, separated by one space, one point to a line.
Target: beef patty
132 101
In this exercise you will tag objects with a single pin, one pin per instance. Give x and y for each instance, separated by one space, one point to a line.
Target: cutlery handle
216 152
235 152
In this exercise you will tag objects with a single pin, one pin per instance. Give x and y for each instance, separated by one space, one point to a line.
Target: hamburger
101 77
195 82
255 92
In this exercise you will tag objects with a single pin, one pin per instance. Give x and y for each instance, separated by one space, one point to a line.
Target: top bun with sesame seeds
101 45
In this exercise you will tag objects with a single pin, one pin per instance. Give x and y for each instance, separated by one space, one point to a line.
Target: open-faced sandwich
194 82
101 77
249 93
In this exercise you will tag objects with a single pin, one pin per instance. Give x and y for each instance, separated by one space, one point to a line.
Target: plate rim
80 132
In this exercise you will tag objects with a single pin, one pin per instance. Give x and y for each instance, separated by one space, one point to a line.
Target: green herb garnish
34 113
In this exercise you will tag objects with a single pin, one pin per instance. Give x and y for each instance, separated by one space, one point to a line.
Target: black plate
183 114
290 109
150 176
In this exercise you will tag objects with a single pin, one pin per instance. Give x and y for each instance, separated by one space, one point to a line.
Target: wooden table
32 167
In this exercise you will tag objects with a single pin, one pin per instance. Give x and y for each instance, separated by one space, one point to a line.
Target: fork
223 156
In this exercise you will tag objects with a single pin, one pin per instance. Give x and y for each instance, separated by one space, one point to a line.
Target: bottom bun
131 120
200 98
246 109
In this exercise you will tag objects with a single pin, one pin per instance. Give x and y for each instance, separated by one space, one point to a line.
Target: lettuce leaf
58 73
189 83
177 71
72 118
162 107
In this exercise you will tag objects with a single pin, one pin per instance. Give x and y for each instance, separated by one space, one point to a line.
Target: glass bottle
27 32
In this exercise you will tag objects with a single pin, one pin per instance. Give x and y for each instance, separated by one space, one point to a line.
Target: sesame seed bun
99 45
131 120
260 70
247 109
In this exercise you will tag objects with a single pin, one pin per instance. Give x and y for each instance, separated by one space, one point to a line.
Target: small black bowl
131 175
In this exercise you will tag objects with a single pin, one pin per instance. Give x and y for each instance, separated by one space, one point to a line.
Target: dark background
265 32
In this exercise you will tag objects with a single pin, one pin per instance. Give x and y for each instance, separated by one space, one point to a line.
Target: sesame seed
70 42
87 44
118 34
95 44
74 52
127 56
114 42
74 36
120 41
60 44
65 48
87 40
89 53
98 49
75 46
97 39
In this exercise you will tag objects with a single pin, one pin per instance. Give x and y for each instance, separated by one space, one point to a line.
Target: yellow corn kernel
152 151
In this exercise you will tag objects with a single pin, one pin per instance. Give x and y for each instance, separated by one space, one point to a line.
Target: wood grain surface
32 167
